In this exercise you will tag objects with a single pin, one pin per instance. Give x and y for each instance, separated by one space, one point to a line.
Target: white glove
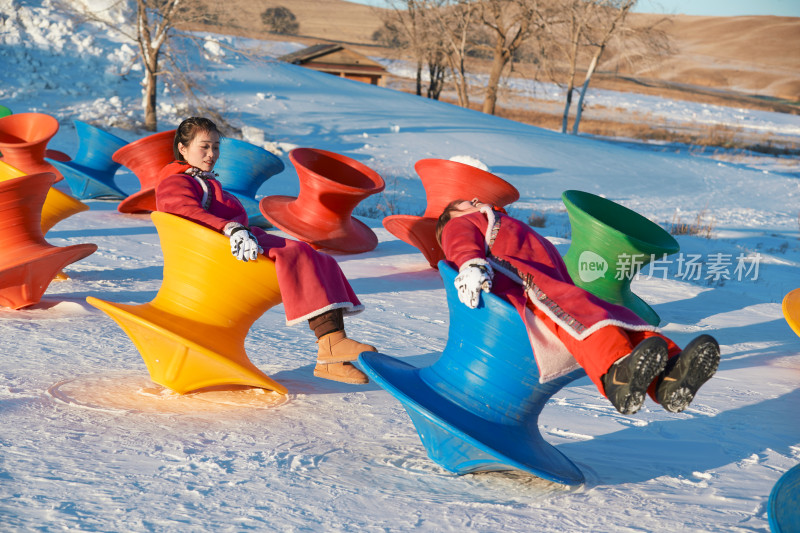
243 245
471 280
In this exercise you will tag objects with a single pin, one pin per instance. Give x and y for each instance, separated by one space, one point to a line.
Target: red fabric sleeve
463 238
181 195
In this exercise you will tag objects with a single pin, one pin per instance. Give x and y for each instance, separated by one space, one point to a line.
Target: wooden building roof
335 59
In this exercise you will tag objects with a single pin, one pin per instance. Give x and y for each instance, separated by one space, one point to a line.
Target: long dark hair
188 130
445 217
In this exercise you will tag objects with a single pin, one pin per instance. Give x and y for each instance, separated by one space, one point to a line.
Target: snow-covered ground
90 444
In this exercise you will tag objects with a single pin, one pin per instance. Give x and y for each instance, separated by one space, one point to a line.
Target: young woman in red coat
312 285
622 354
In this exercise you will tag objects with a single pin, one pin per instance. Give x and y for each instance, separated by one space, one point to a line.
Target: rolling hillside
745 55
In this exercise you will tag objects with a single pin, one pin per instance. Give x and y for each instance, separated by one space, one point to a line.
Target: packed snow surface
89 443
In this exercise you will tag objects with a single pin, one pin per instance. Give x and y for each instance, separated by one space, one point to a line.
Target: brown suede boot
337 348
344 372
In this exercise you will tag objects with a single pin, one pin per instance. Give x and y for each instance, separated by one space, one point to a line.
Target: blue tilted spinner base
477 407
91 172
242 169
783 506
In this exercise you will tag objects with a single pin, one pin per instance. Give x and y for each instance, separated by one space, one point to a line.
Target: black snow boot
686 373
627 380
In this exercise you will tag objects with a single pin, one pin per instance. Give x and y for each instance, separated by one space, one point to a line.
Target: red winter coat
548 295
516 244
311 282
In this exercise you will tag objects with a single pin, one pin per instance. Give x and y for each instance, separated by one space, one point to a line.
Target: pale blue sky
788 8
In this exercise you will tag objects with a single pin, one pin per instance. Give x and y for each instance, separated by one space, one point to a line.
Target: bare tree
151 24
511 23
591 23
401 31
154 21
645 43
454 22
435 58
409 25
439 35
580 32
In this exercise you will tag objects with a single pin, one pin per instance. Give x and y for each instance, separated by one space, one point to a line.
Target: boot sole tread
649 364
694 372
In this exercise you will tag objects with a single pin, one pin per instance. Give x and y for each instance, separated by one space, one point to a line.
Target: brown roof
332 56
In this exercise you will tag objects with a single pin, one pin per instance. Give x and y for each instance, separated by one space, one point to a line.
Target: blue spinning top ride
242 169
91 172
477 407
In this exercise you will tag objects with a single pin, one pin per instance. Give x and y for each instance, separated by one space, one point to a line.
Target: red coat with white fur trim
518 250
311 282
